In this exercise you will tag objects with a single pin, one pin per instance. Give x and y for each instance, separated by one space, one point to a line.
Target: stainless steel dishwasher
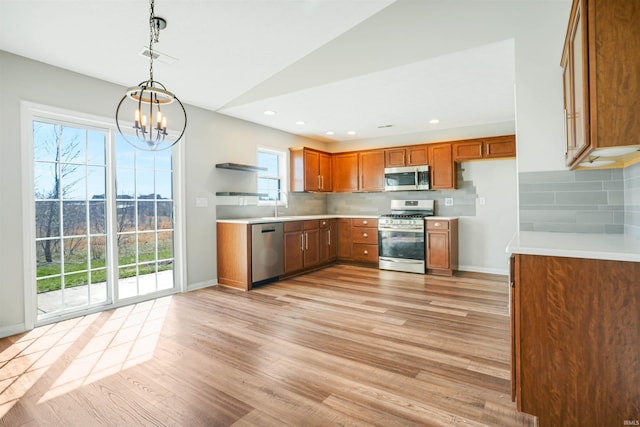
267 248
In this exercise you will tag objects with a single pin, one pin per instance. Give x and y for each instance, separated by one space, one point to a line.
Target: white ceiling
340 65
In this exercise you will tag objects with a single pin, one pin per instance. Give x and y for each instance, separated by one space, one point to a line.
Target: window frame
283 171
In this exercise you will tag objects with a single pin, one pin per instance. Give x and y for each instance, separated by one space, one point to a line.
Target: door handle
302 242
307 236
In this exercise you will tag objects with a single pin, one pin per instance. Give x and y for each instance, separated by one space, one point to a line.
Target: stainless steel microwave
406 178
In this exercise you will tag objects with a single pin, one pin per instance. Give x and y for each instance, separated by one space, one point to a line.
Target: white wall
484 237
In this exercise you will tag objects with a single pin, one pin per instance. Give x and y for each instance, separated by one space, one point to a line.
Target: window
272 182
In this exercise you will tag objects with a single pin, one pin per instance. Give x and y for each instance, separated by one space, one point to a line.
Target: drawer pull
365 235
365 222
366 252
437 224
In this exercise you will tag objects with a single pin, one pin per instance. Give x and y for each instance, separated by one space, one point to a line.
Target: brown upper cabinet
441 166
358 171
496 147
415 155
345 172
310 170
600 63
371 170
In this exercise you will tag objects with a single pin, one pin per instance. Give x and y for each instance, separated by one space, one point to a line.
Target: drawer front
365 235
433 224
311 224
291 226
365 222
365 253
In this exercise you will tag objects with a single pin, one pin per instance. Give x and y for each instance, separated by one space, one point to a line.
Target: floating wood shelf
240 167
238 193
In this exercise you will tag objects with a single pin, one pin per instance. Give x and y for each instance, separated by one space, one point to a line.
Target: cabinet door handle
329 237
307 236
319 184
365 235
566 134
302 242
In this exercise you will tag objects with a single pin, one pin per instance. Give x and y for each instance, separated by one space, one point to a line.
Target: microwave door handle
416 181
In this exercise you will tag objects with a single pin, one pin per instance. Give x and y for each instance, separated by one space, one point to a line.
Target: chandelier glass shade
148 116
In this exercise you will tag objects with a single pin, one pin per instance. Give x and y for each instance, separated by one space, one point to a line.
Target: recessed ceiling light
331 132
434 121
300 122
270 113
351 132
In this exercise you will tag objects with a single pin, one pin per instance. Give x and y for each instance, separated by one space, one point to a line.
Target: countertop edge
612 247
266 220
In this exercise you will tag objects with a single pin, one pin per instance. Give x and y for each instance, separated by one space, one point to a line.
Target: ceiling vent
157 56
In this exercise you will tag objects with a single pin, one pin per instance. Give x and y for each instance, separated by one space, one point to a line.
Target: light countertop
616 247
284 218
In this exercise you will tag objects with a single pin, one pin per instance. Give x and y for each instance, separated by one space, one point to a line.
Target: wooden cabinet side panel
233 246
579 359
296 169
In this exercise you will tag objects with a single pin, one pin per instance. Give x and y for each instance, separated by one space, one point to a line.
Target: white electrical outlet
482 201
448 201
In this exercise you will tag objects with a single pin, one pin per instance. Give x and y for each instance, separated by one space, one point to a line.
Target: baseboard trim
7 331
476 269
201 285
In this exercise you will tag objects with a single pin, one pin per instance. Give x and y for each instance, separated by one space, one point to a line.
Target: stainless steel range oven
401 234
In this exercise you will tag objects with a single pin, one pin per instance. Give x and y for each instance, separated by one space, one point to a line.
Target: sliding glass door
70 206
103 219
144 220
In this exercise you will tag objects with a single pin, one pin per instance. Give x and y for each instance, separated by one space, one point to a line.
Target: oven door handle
406 230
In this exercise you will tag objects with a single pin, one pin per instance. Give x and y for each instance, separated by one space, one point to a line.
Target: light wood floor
341 346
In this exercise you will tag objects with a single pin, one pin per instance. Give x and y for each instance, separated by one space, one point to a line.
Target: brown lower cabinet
233 245
442 246
301 245
328 245
576 340
358 240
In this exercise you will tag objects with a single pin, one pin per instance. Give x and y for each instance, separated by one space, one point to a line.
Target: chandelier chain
154 35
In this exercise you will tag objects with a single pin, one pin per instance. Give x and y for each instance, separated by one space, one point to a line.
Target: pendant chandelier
146 110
